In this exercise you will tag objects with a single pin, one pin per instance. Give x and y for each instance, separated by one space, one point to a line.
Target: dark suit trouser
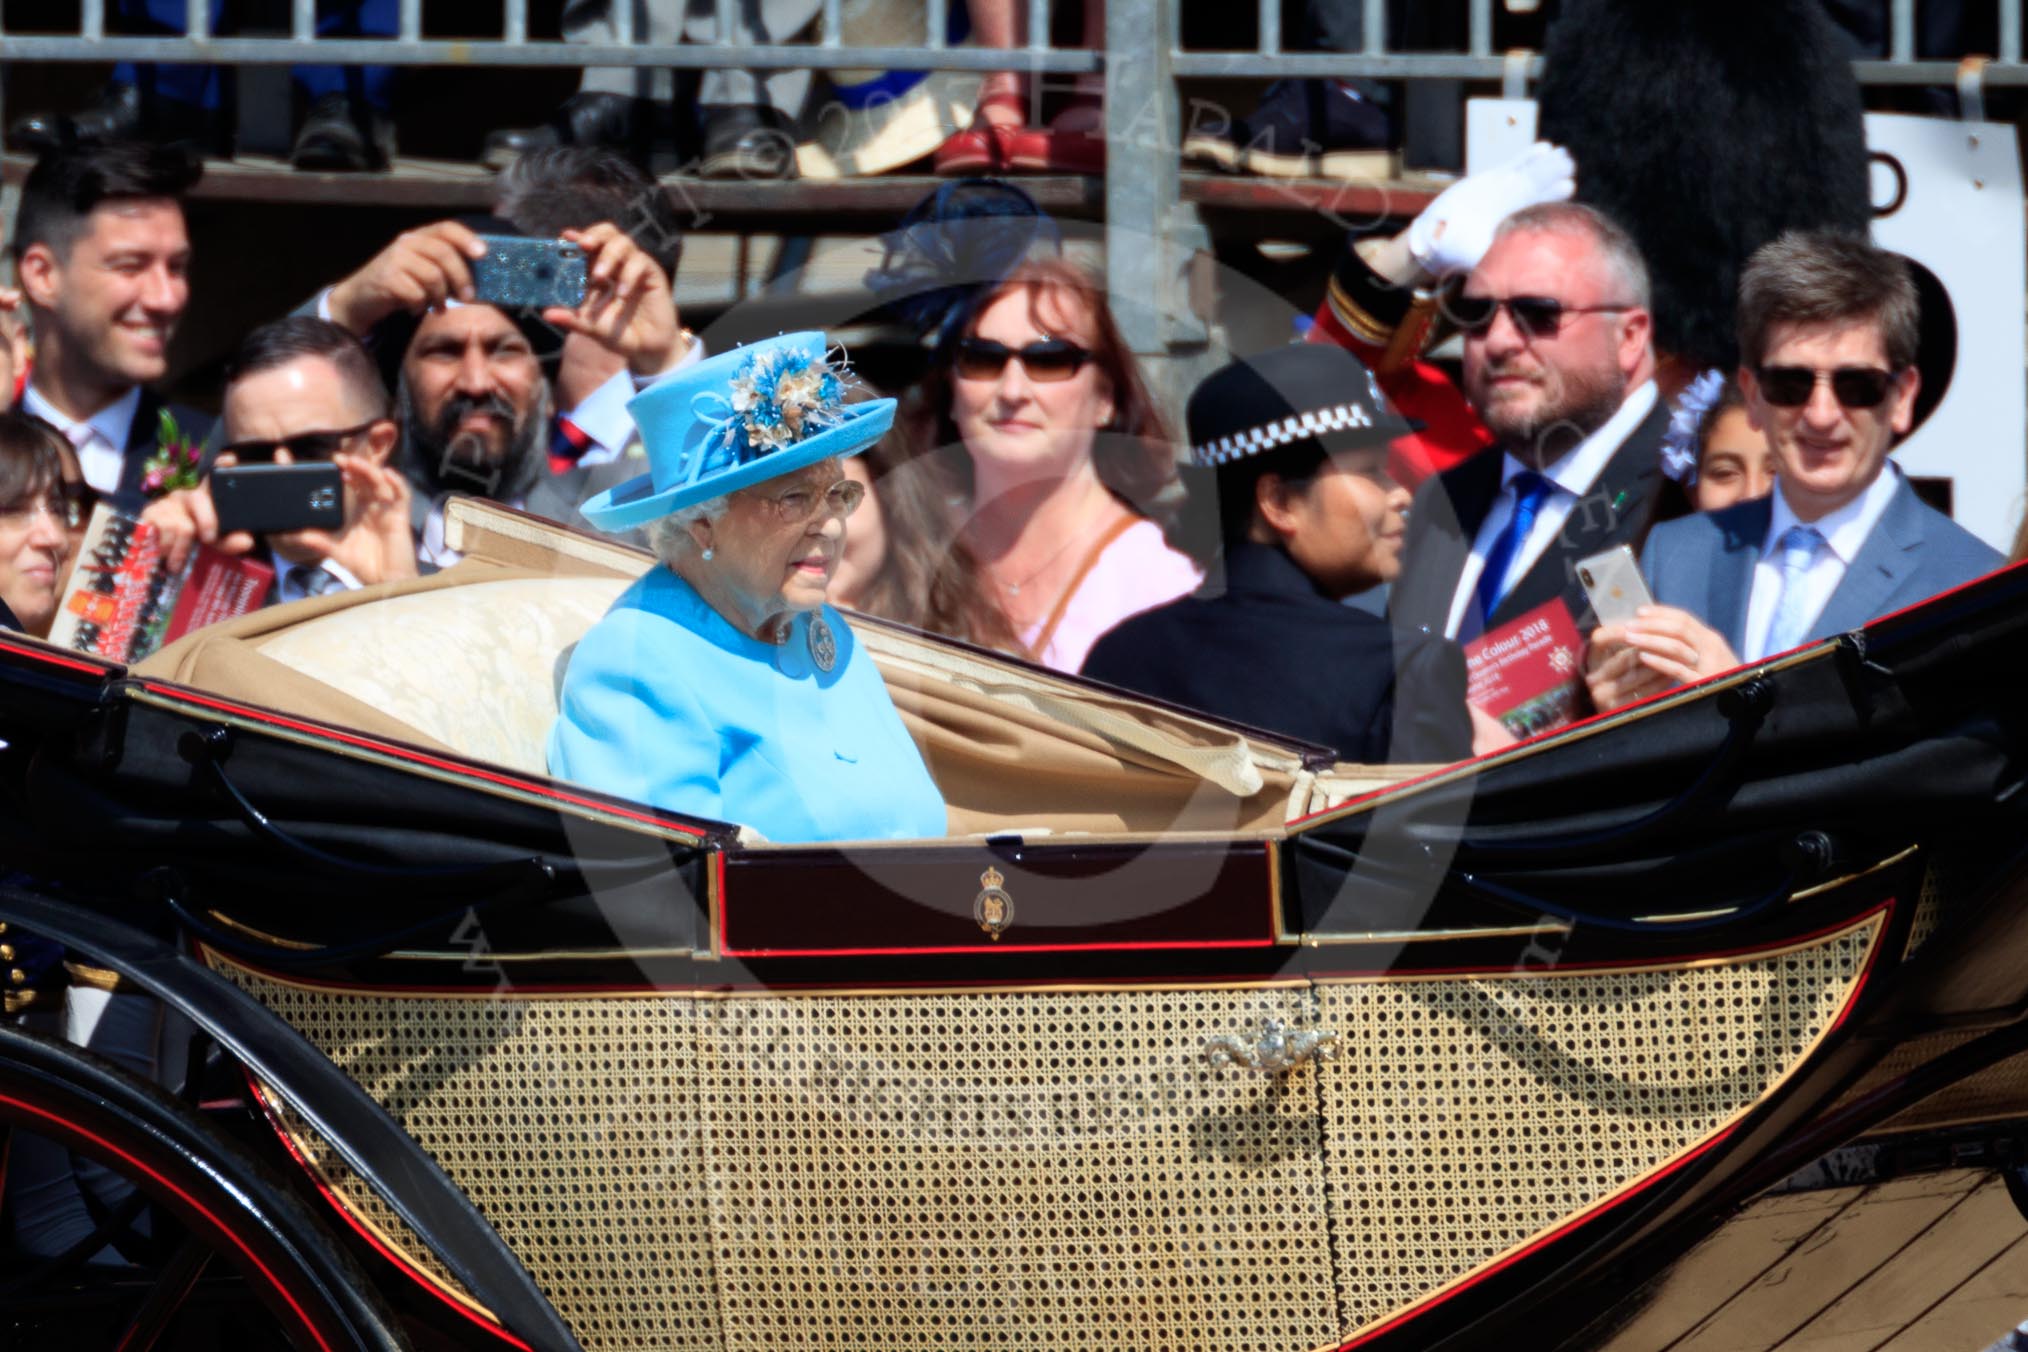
666 22
203 85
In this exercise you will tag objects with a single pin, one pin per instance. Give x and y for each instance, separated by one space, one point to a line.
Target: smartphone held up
529 274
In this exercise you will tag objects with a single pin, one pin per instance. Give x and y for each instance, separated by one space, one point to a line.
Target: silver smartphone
1613 583
533 274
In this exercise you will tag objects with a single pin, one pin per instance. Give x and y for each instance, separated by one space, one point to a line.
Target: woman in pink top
1064 455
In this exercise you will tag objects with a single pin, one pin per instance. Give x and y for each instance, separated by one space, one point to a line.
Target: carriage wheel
236 1213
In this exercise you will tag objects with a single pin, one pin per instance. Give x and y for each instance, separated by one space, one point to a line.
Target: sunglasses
1049 360
798 505
1536 316
303 447
1855 387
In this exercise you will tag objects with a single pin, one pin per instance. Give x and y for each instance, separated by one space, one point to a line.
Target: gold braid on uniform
1373 310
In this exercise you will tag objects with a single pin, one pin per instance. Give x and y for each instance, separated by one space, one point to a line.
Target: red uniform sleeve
1360 314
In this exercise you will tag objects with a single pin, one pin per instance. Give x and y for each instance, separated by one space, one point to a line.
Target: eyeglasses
79 499
1855 387
304 446
1050 360
23 510
1536 316
798 505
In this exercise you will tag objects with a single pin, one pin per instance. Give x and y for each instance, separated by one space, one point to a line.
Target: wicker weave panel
1469 1116
1057 1168
571 1124
1014 1171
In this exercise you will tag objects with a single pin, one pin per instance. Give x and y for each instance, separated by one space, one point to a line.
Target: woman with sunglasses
1063 461
34 540
721 685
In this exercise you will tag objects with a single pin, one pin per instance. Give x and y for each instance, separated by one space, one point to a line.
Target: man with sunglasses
1828 329
1559 366
304 391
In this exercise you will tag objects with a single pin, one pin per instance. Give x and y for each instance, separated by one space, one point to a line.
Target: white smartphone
1613 583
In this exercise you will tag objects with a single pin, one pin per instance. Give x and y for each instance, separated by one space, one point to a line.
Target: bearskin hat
1707 130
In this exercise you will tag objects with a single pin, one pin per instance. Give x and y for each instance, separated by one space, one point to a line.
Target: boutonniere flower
176 463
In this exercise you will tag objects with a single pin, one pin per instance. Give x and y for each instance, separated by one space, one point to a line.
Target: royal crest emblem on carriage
993 908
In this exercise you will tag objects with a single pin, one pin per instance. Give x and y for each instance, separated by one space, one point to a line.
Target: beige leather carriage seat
470 661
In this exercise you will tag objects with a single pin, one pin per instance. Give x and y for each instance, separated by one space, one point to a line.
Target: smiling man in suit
1828 329
1560 365
104 261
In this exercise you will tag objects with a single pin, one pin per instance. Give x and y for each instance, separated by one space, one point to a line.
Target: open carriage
1184 1038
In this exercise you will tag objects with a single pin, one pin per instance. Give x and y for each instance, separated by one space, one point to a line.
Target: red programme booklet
124 602
1529 673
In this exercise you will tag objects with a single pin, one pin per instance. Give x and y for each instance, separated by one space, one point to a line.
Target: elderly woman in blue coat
721 685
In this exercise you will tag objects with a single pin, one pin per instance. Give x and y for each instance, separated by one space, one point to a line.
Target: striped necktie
312 580
567 445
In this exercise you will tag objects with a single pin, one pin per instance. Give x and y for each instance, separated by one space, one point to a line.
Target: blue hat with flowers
735 420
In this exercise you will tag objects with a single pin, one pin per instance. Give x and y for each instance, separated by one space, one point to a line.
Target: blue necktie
1798 548
1531 490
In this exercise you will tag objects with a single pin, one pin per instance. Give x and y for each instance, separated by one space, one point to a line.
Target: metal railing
1142 61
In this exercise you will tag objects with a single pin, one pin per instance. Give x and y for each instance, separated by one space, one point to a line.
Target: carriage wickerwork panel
1468 1117
1013 1170
570 1123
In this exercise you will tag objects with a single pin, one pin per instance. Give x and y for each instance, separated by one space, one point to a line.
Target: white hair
669 538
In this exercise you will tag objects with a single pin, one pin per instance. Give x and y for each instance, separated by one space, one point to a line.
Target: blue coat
1704 564
666 703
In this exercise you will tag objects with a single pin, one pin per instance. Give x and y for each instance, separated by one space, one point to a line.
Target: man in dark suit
1560 366
303 390
103 260
1828 330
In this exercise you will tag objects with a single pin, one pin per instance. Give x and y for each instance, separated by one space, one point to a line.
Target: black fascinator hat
955 247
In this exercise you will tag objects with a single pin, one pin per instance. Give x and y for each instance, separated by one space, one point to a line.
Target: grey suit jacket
1704 564
558 496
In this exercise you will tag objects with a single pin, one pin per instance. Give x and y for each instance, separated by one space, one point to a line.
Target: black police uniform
1273 652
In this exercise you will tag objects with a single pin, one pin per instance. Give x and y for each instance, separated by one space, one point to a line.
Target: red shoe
975 150
1061 152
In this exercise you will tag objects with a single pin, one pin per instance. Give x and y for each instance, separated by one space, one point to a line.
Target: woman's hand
627 307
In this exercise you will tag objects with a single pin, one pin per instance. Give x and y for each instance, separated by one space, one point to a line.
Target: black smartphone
265 499
529 274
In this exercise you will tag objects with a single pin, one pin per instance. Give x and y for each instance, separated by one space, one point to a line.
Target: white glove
1454 232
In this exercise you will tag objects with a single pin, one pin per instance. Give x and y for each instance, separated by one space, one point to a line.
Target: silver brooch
823 644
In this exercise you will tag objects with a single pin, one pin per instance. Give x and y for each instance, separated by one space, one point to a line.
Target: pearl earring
707 553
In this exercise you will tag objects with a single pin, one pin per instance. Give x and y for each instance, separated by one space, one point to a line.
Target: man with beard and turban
476 405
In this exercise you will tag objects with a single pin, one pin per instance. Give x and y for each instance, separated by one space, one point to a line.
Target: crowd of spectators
1031 496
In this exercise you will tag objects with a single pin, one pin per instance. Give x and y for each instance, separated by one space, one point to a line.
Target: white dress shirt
101 439
603 416
1844 530
1570 476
